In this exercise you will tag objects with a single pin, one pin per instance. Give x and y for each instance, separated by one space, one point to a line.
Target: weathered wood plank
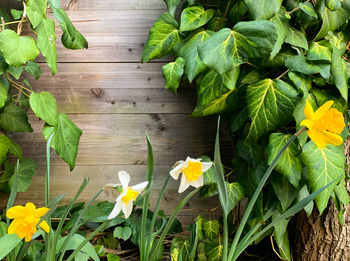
119 139
81 5
99 176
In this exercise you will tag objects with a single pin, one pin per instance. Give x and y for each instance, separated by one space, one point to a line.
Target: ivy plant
25 32
256 62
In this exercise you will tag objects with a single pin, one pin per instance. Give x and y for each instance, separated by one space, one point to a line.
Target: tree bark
322 238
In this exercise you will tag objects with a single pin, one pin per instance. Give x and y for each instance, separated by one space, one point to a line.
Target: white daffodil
129 194
192 172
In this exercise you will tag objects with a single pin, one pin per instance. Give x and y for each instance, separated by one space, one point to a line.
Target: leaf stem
283 74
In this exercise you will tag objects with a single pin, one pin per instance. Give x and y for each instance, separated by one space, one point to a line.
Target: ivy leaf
323 166
34 69
17 50
281 23
235 192
299 63
263 9
3 95
331 20
194 17
228 48
36 11
319 51
211 228
303 193
44 106
216 93
66 139
309 9
341 193
345 4
280 234
15 71
171 5
214 251
340 73
172 73
296 38
25 173
162 38
16 14
270 105
122 232
251 152
285 192
188 50
333 5
4 147
15 149
47 43
14 119
289 164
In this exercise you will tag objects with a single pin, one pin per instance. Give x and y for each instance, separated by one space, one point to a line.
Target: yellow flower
324 125
192 170
25 220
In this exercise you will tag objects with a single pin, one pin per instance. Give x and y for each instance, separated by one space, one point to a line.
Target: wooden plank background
115 99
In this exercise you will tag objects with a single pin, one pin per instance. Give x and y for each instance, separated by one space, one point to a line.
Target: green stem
102 227
170 222
23 250
225 237
256 194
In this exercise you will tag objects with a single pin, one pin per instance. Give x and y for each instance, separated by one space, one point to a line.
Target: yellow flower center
193 170
130 195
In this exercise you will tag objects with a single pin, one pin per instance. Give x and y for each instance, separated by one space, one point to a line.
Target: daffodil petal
127 209
41 212
140 187
28 237
124 178
307 123
116 210
44 226
30 206
184 184
322 138
206 166
308 110
320 112
16 212
316 138
197 183
13 227
175 172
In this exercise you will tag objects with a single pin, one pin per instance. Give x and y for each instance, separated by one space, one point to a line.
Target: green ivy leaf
331 20
47 43
251 152
194 17
112 257
44 106
309 9
214 251
216 93
296 38
15 71
323 166
345 4
319 51
25 173
172 73
340 73
341 193
270 105
235 192
3 95
34 69
289 164
280 234
171 5
263 9
17 50
333 5
36 11
14 119
122 232
299 63
16 14
15 149
211 228
303 193
4 147
285 192
187 49
66 139
162 38
281 23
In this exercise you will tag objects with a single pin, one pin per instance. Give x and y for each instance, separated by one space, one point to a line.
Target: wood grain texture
81 5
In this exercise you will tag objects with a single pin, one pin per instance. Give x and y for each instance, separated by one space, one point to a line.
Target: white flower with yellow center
192 172
128 195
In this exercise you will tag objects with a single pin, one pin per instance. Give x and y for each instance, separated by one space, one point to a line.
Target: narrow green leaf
263 9
296 38
44 106
8 243
194 17
17 50
25 173
162 38
36 11
14 119
172 73
323 166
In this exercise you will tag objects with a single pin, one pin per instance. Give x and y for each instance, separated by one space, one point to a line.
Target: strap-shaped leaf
194 17
263 9
44 106
323 166
163 36
289 164
296 38
270 105
187 49
14 119
17 50
172 73
47 43
36 11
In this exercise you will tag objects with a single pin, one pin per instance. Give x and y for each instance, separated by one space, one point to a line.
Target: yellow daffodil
129 194
25 220
192 172
324 125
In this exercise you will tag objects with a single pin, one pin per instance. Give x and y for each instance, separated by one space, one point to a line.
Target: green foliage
257 62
